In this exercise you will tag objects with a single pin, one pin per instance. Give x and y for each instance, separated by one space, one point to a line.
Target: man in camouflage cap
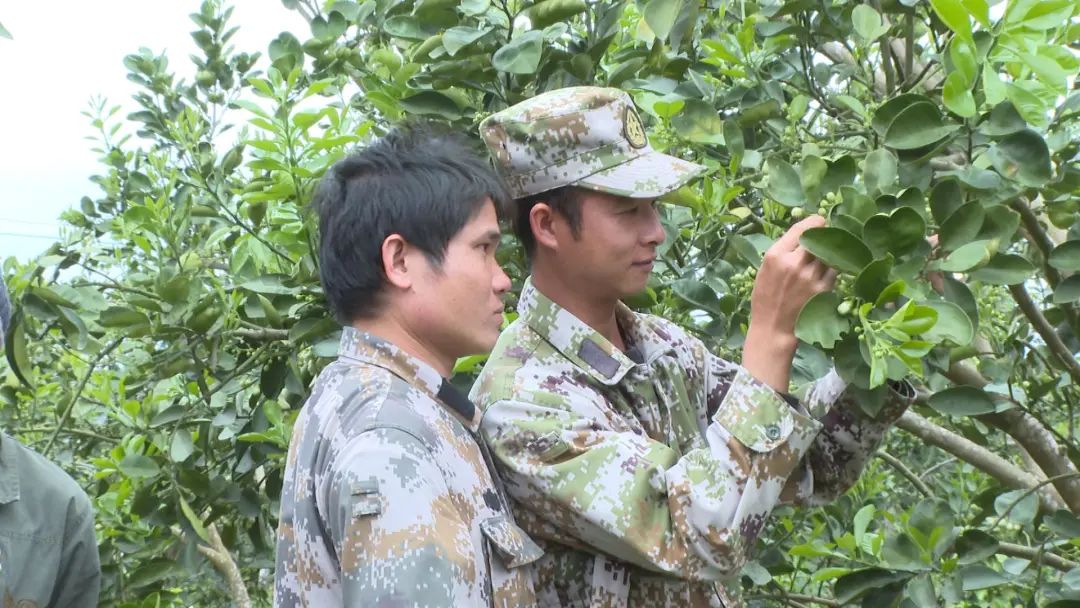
644 465
48 549
389 498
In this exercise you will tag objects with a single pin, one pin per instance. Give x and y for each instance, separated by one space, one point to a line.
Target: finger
823 270
790 239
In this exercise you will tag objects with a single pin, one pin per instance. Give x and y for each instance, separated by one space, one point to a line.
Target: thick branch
974 454
223 562
1044 329
1039 442
1036 555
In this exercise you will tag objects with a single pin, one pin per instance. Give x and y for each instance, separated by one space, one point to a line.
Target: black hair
419 181
565 201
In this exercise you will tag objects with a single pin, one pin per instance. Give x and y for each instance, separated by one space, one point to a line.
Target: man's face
616 247
459 305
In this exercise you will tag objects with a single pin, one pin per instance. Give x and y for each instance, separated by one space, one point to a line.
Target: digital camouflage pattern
389 499
665 461
590 137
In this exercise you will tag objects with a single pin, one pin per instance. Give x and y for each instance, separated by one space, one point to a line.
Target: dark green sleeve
79 580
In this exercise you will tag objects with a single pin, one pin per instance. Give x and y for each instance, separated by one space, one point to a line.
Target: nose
500 283
654 232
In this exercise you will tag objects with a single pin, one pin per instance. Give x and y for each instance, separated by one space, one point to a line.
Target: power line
30 236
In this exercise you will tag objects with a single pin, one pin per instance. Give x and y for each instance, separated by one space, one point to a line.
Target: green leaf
957 96
181 445
964 62
962 226
945 198
286 53
888 111
138 466
879 172
953 14
1024 156
896 233
661 16
980 10
899 551
521 55
993 86
917 126
1004 269
874 279
862 521
460 36
699 294
961 401
1027 104
867 22
548 12
270 283
974 546
1068 290
784 184
431 103
404 26
952 324
857 584
819 322
116 316
1063 523
698 122
1001 224
837 248
15 349
1019 505
194 520
4 33
1066 256
1048 70
966 257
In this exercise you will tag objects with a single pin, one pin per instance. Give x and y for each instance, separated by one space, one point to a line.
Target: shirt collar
373 350
585 346
9 470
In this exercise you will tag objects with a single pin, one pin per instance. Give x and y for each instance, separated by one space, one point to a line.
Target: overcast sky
63 54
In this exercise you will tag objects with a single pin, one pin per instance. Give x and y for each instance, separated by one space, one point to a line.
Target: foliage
162 350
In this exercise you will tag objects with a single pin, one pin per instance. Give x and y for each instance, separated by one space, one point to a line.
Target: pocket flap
511 542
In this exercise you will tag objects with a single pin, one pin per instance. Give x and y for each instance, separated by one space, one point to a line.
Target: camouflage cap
590 137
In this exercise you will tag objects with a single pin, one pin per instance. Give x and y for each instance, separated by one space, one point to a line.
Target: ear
547 225
395 261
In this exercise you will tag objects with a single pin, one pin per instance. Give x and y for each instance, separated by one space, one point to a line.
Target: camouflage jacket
389 499
647 476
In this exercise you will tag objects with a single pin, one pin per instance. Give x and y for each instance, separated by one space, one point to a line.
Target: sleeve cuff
758 416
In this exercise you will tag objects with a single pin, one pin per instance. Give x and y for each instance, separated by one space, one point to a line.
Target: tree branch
223 562
903 469
974 454
1044 329
1039 442
78 393
794 599
1037 555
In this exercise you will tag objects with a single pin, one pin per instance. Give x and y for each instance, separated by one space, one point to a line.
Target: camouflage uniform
648 475
389 499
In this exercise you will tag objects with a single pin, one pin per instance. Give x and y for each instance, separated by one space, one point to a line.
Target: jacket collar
358 346
585 346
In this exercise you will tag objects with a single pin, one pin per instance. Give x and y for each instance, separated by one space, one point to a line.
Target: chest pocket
510 543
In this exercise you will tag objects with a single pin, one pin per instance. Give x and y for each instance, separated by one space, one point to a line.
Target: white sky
52 69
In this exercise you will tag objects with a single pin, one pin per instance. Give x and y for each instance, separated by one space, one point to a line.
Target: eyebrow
491 236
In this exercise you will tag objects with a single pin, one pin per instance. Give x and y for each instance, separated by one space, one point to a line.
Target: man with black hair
48 551
389 498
